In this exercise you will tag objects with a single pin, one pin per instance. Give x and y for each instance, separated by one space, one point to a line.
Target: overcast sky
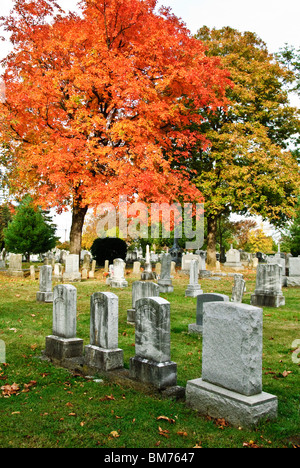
276 22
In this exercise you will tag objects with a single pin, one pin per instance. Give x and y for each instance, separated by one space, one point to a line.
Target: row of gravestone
268 291
231 383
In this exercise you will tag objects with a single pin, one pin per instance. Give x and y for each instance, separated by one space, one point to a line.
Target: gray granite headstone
231 383
63 343
103 352
152 362
201 300
268 290
165 282
45 293
141 289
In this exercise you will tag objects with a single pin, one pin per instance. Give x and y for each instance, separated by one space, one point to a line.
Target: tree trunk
78 216
212 223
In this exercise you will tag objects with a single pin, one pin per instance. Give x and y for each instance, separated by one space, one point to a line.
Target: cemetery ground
45 406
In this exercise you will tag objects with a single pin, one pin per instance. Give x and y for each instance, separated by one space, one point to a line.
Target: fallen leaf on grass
165 418
182 433
114 434
163 432
250 444
107 397
8 390
286 373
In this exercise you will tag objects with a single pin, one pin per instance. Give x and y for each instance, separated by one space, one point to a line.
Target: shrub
108 248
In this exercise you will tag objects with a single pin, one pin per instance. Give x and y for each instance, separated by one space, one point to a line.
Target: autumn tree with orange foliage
98 101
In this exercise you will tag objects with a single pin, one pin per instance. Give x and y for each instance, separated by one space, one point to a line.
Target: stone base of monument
267 300
103 359
63 348
193 291
159 374
165 286
194 328
44 296
118 283
146 276
71 277
292 281
234 266
237 409
131 315
16 273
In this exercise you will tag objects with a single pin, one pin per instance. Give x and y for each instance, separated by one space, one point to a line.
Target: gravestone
136 271
280 260
231 383
58 272
152 362
238 289
165 282
45 293
268 290
63 344
294 272
106 266
84 274
118 278
15 265
147 274
201 300
194 288
86 262
158 269
72 272
233 259
140 290
103 353
32 272
93 268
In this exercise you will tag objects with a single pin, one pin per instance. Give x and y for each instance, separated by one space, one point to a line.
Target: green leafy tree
247 168
295 234
30 231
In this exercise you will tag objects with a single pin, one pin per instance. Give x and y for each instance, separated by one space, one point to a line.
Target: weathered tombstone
118 279
194 288
58 272
63 344
173 268
72 272
152 362
86 262
15 265
106 266
165 282
233 259
140 290
136 268
158 269
280 260
103 353
84 274
147 274
201 300
294 272
32 272
45 293
238 288
231 383
268 290
92 271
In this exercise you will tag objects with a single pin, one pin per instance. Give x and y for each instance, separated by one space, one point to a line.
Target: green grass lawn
51 407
